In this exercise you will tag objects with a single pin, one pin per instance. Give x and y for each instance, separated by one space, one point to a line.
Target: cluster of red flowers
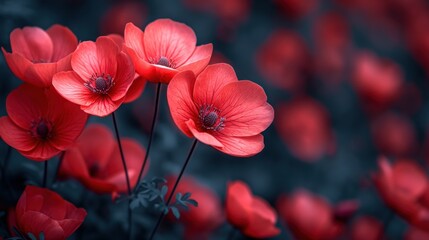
65 81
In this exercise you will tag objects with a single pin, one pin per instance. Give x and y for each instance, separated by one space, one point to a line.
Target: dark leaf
192 202
175 212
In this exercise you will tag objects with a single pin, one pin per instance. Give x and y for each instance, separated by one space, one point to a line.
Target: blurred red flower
304 126
40 123
283 60
121 13
416 234
378 82
165 48
404 188
95 161
331 38
219 110
311 217
250 214
296 9
37 54
41 210
201 221
394 135
366 228
100 79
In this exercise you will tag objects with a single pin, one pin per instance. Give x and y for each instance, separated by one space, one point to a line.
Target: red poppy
366 228
165 48
394 135
251 214
201 221
304 126
284 60
37 54
95 160
219 110
40 210
404 188
100 79
123 12
416 234
378 82
311 217
40 123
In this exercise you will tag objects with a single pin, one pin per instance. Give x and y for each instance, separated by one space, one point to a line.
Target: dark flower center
209 118
93 170
100 84
41 129
164 61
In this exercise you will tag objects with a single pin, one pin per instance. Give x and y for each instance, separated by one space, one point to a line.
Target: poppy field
214 119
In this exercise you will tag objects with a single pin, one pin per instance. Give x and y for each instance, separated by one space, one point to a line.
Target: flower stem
155 114
45 174
126 173
161 216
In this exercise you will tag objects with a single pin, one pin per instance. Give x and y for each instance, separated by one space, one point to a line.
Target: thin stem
126 174
161 216
152 129
122 153
45 174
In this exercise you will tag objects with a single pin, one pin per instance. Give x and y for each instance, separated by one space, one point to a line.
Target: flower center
41 129
100 84
93 170
164 61
210 119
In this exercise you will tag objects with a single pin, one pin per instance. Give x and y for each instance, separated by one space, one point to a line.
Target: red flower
116 17
283 60
165 48
378 82
366 228
311 217
404 188
199 221
41 210
219 110
37 54
40 123
304 126
100 78
416 234
296 9
394 135
95 160
251 214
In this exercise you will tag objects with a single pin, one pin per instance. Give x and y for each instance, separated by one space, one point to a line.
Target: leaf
178 196
192 202
175 212
41 236
31 236
186 196
164 191
134 204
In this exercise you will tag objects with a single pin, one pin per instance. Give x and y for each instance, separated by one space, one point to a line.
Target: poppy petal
241 146
202 136
210 82
262 220
238 203
15 136
64 41
182 107
166 38
134 38
73 164
33 43
244 106
42 152
18 64
102 107
71 87
123 78
199 59
135 90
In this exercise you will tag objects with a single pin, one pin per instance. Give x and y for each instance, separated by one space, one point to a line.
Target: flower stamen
100 84
210 119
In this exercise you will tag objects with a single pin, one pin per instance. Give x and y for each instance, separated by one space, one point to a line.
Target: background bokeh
347 79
